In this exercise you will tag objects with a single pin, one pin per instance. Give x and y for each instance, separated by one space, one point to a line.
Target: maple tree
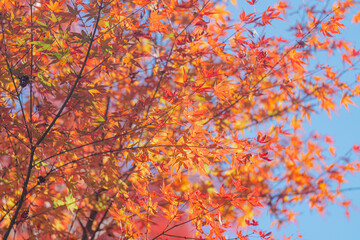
165 119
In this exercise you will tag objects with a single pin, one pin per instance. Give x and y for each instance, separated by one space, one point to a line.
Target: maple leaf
247 18
128 115
70 202
253 201
251 222
282 6
264 156
345 100
251 2
156 18
356 17
262 138
356 148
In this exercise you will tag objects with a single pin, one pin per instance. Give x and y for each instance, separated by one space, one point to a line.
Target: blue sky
345 129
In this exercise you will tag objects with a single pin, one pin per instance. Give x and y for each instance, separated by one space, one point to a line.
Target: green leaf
100 119
53 17
57 55
42 24
44 45
70 202
57 203
44 81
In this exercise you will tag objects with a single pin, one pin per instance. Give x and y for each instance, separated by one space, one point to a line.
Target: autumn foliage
167 119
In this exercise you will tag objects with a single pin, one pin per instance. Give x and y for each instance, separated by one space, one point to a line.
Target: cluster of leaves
138 119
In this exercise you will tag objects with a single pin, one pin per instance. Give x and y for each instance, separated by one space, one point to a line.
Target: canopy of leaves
146 119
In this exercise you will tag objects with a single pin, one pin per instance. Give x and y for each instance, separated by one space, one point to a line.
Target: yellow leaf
93 91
